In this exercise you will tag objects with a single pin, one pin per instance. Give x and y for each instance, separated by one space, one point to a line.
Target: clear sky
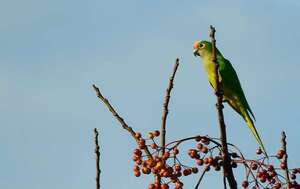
51 52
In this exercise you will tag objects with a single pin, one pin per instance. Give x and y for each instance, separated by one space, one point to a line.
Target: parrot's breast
209 67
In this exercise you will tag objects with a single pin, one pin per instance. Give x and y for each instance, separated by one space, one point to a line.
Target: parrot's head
202 48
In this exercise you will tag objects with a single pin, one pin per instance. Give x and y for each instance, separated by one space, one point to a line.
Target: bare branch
97 152
165 107
227 169
200 178
285 157
119 118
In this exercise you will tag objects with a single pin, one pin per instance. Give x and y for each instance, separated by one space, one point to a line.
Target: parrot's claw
219 93
221 106
225 101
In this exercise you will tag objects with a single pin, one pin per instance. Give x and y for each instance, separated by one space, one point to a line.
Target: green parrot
230 85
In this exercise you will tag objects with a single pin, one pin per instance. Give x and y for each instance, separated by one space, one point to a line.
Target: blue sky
51 52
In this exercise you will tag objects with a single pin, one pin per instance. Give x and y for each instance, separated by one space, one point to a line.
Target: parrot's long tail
255 133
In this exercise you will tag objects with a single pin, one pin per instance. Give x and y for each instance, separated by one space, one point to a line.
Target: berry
199 162
175 151
146 170
282 165
151 186
254 166
156 133
280 154
166 155
187 172
258 151
195 170
199 146
233 165
177 167
137 152
138 135
245 184
204 149
270 168
150 135
153 146
137 173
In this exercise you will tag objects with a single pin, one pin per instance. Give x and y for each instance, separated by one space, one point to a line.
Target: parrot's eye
202 45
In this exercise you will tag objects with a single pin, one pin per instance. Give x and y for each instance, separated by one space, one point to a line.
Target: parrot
229 83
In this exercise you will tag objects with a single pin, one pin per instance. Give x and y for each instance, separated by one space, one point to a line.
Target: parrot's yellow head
202 48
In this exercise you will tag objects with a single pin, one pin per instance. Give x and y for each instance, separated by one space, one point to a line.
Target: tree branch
97 152
285 157
119 118
227 169
165 107
200 178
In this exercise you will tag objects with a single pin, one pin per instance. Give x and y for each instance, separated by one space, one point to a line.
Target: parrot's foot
219 106
225 101
219 93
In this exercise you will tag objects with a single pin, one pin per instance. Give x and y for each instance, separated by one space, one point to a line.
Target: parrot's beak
196 52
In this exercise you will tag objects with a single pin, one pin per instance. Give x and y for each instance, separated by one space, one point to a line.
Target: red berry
146 170
187 172
263 179
199 162
205 140
153 146
217 168
138 135
198 138
136 168
195 170
137 173
166 155
151 186
294 171
233 165
204 149
282 165
177 167
156 133
245 184
280 154
150 135
137 152
192 153
175 151
254 166
270 168
199 146
258 151
207 168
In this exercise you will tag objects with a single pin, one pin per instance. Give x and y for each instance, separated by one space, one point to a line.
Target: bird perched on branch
229 83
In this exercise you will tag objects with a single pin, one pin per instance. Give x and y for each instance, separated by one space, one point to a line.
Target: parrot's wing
231 80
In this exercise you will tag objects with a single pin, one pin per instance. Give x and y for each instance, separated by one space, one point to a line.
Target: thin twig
119 118
224 182
97 152
200 178
227 169
165 107
285 157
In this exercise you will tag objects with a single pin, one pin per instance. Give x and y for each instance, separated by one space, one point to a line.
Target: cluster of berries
168 172
165 166
268 176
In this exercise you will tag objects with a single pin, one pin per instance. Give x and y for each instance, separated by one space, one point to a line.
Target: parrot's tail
255 133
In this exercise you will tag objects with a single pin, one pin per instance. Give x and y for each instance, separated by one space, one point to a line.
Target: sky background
51 52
